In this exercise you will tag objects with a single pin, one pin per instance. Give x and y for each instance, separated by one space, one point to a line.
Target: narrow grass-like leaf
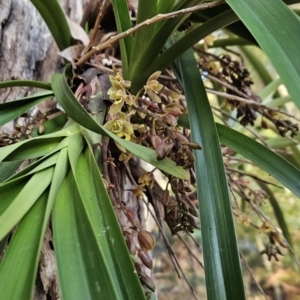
68 101
147 10
186 42
8 192
282 142
238 28
38 165
106 228
13 109
263 157
36 148
223 274
24 200
268 91
266 159
33 168
53 125
294 157
123 23
60 171
278 101
19 266
7 169
75 147
84 273
261 18
8 150
56 21
29 83
139 66
67 244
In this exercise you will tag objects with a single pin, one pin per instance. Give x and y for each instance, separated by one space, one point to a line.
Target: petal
116 107
154 76
153 96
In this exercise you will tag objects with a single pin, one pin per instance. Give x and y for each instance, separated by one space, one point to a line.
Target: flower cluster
152 120
118 93
120 126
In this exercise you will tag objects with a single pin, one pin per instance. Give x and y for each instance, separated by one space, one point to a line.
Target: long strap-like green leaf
276 29
221 257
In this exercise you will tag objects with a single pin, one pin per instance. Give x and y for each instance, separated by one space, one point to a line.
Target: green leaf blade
221 257
266 159
261 18
13 109
182 45
29 83
19 266
85 267
70 104
123 23
22 203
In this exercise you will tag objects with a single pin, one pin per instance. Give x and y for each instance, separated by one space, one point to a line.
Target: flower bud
130 244
148 282
146 259
146 240
132 217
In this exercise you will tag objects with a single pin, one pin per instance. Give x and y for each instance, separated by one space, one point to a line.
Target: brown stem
148 22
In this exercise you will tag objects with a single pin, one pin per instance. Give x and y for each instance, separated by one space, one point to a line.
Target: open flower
147 179
153 87
118 93
119 126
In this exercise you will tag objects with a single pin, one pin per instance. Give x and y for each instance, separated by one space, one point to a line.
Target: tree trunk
28 51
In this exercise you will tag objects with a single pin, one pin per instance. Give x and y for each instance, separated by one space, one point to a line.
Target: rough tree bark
27 51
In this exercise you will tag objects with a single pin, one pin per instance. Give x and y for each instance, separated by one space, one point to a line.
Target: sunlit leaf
7 169
19 266
34 187
13 109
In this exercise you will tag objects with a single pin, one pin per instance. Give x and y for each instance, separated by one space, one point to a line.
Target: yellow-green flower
153 87
119 126
147 179
119 95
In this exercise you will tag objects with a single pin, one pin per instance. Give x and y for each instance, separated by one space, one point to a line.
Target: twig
166 241
252 275
157 18
246 127
194 240
230 87
102 11
232 193
251 223
244 99
173 256
191 252
253 176
232 97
